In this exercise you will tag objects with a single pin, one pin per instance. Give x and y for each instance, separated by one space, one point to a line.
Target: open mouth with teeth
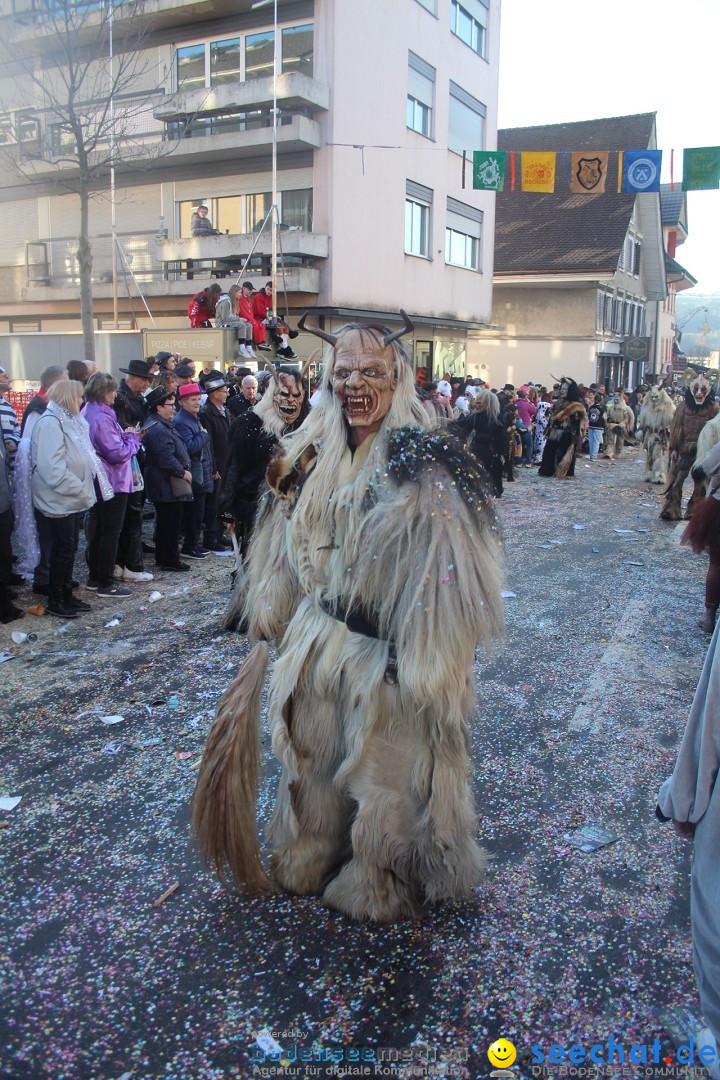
357 405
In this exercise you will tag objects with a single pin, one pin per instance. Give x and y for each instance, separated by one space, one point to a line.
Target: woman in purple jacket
115 449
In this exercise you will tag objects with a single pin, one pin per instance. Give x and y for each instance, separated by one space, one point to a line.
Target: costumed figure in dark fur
486 435
253 438
375 568
703 531
691 416
566 428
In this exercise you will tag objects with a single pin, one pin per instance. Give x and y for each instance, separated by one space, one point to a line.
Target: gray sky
564 60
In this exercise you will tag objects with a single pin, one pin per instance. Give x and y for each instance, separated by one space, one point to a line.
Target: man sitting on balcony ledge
200 223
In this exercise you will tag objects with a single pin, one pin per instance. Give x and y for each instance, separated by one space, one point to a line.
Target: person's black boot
71 601
707 623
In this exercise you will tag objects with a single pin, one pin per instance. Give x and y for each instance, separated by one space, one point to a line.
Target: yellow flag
538 171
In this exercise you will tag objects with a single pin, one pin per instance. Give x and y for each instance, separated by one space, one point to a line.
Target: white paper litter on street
10 802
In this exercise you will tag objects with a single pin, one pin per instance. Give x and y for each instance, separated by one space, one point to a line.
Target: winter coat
526 411
251 447
130 407
62 480
202 226
38 405
114 446
166 455
217 424
199 447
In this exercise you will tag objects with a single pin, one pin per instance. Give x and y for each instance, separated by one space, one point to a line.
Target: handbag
137 476
180 487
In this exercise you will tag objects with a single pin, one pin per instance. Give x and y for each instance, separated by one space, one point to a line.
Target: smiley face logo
502 1053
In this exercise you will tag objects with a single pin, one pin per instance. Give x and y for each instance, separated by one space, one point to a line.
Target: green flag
489 169
701 168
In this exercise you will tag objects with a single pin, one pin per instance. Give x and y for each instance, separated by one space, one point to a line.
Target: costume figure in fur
566 428
691 416
708 438
253 438
620 419
654 426
703 531
375 568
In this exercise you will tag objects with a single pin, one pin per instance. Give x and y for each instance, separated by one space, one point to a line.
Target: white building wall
519 360
360 193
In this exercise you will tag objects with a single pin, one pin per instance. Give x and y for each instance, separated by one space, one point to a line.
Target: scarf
77 429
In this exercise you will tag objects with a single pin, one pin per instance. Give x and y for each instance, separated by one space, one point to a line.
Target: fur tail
232 616
223 809
563 466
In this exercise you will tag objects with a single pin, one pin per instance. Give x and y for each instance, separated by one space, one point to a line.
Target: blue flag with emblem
641 170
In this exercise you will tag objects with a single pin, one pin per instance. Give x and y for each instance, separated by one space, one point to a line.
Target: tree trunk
85 261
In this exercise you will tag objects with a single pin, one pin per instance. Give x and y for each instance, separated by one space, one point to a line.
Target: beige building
578 277
376 101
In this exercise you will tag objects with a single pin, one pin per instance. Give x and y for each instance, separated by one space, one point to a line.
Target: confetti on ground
578 720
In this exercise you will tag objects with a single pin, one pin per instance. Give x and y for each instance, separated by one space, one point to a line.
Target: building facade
376 103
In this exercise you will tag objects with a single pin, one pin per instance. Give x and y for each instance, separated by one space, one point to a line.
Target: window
637 249
418 203
7 129
420 96
239 214
468 21
191 67
466 123
463 233
296 209
224 61
297 50
259 55
206 64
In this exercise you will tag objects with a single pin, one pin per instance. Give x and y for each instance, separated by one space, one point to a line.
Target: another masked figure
375 567
691 416
565 432
619 421
654 427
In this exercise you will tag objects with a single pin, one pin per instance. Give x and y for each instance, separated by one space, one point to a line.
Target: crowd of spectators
92 454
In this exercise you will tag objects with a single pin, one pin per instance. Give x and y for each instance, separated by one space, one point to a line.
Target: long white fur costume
654 424
374 808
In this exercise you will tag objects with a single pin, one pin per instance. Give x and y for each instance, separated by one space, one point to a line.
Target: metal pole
116 322
275 218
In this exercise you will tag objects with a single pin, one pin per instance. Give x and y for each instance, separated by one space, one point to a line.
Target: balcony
165 268
295 244
27 17
294 92
227 138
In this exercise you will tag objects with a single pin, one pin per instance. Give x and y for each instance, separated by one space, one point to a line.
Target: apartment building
376 102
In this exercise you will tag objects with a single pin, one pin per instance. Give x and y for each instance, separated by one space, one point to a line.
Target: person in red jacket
201 309
263 309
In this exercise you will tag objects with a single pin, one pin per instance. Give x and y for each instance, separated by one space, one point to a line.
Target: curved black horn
407 329
332 338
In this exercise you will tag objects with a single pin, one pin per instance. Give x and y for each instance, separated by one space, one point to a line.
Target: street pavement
579 715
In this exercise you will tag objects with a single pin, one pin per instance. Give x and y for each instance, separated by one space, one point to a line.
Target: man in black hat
130 403
131 410
214 419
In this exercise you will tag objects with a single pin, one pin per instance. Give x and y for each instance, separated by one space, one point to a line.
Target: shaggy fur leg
655 463
411 838
672 510
697 495
310 826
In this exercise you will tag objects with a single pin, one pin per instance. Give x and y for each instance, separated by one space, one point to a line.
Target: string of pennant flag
586 171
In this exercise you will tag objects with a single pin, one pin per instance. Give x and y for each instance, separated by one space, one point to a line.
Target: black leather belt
357 623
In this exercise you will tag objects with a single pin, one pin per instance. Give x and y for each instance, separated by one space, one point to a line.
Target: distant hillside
694 341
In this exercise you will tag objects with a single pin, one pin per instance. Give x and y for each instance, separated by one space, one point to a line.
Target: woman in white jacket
64 466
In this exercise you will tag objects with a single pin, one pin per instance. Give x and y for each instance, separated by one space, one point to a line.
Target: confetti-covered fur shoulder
412 451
